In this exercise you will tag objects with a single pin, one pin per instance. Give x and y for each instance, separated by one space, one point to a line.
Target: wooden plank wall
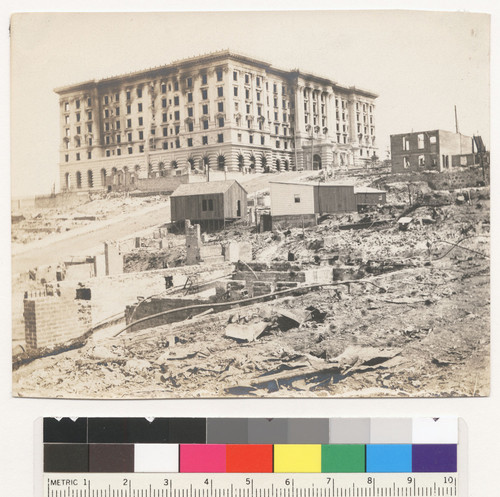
334 198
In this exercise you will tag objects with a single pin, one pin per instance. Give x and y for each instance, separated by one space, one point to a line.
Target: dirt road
82 243
85 243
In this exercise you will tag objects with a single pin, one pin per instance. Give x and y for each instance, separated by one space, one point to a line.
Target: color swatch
255 445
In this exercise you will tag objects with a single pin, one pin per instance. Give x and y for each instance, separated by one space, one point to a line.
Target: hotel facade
221 111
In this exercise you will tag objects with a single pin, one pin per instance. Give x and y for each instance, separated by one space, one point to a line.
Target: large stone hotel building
221 111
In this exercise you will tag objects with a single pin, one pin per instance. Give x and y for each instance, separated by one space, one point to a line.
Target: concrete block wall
51 320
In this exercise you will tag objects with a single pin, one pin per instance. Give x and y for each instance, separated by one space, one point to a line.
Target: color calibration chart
252 457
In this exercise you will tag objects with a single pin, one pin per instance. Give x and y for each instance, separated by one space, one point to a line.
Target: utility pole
456 120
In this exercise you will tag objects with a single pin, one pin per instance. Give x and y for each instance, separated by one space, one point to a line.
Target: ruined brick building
220 111
436 150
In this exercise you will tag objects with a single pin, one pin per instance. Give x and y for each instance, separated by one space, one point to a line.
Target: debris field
406 313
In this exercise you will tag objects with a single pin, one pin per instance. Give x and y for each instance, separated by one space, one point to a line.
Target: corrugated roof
367 189
203 188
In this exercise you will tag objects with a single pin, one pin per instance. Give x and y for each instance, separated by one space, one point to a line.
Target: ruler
251 485
160 457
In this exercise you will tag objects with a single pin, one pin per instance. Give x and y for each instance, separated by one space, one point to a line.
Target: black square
65 430
187 430
108 430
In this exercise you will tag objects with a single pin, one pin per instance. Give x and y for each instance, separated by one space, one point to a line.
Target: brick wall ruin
50 320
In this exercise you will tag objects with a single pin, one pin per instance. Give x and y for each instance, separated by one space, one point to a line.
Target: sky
421 64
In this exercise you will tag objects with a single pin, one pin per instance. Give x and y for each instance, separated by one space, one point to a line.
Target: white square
156 458
435 430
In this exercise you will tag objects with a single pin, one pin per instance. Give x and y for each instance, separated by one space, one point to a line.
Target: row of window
77 104
107 100
422 161
189 127
365 118
365 107
365 129
420 141
177 144
78 117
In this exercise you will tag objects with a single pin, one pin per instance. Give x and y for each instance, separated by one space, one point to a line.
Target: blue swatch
388 458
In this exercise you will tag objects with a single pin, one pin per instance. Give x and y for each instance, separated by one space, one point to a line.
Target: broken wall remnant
198 252
113 258
80 268
193 243
256 279
53 319
269 223
238 251
111 294
155 305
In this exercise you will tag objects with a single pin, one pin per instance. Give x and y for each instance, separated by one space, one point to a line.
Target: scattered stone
245 332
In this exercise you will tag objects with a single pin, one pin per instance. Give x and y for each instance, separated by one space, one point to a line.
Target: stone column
330 114
300 126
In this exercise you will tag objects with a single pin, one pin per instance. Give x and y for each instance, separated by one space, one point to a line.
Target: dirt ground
415 322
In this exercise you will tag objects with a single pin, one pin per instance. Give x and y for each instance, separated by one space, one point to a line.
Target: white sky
421 64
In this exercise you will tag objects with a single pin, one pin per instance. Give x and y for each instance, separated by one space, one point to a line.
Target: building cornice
179 66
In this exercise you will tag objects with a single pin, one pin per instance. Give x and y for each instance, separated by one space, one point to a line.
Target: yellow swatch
303 458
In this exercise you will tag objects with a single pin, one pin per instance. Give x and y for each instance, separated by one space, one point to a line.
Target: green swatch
343 458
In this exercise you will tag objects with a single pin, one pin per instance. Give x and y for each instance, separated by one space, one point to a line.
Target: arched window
252 162
113 171
174 164
206 161
317 162
263 162
137 168
150 170
191 164
221 162
287 166
90 178
67 181
78 179
278 165
161 169
241 162
103 177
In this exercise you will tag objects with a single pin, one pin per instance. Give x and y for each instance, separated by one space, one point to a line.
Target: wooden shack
330 198
289 198
366 196
209 204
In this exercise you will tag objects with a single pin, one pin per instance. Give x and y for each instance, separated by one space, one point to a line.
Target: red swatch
249 458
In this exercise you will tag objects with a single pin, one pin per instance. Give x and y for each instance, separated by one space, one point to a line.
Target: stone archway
317 162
